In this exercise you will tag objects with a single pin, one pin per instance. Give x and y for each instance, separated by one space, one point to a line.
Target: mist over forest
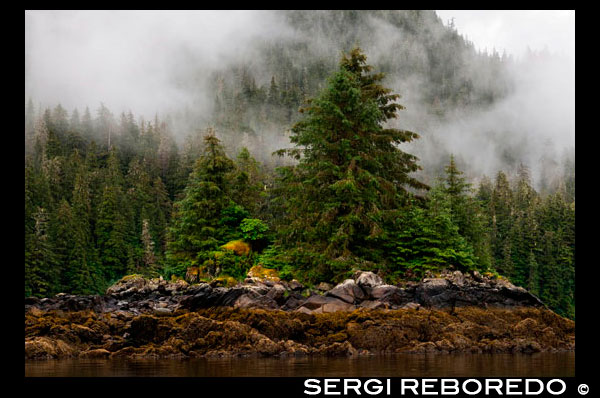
491 110
315 143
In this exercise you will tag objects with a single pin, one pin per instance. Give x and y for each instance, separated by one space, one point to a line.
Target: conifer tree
112 222
197 218
467 214
149 259
41 273
350 169
501 212
87 127
247 181
424 238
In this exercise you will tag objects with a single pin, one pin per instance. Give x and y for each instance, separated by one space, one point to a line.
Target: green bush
253 229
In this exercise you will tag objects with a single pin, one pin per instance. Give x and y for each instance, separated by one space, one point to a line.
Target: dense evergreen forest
104 199
109 195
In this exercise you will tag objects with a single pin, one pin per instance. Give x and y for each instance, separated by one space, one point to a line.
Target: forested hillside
108 195
258 95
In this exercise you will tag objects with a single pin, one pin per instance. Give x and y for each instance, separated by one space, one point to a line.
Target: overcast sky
127 59
514 30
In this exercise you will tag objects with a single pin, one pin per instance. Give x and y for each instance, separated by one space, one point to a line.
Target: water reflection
405 365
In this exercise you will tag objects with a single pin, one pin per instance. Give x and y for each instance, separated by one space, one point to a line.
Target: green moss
225 280
131 277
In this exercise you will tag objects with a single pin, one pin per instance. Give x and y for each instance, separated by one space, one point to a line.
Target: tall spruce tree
350 170
197 218
467 214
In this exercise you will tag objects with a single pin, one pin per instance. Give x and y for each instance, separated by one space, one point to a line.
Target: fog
163 62
133 59
535 123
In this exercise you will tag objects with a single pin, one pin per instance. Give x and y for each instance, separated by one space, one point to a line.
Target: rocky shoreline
264 316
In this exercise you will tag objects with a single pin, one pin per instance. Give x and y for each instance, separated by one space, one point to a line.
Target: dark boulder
348 291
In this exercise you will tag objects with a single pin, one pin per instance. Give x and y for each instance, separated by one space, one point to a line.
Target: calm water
401 365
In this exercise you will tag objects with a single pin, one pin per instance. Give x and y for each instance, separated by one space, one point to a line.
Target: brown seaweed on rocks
230 332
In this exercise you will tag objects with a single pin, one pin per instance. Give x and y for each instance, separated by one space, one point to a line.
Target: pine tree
63 238
149 259
60 121
40 260
467 214
87 127
350 169
247 181
197 218
501 212
424 238
75 122
112 222
524 230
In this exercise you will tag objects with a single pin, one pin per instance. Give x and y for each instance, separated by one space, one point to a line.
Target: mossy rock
224 280
131 277
259 272
239 247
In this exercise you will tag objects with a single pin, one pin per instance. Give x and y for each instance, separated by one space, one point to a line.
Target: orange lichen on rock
239 247
259 272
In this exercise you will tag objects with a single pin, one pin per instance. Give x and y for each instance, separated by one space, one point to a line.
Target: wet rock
143 329
477 276
315 301
527 346
47 348
202 296
177 287
255 301
277 293
368 279
85 334
127 285
339 349
436 292
227 297
524 326
267 347
444 345
304 310
324 286
230 332
161 311
97 353
293 301
335 305
374 305
381 291
347 291
458 278
426 347
294 285
136 295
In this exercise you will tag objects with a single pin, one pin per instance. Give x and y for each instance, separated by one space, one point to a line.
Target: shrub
253 229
